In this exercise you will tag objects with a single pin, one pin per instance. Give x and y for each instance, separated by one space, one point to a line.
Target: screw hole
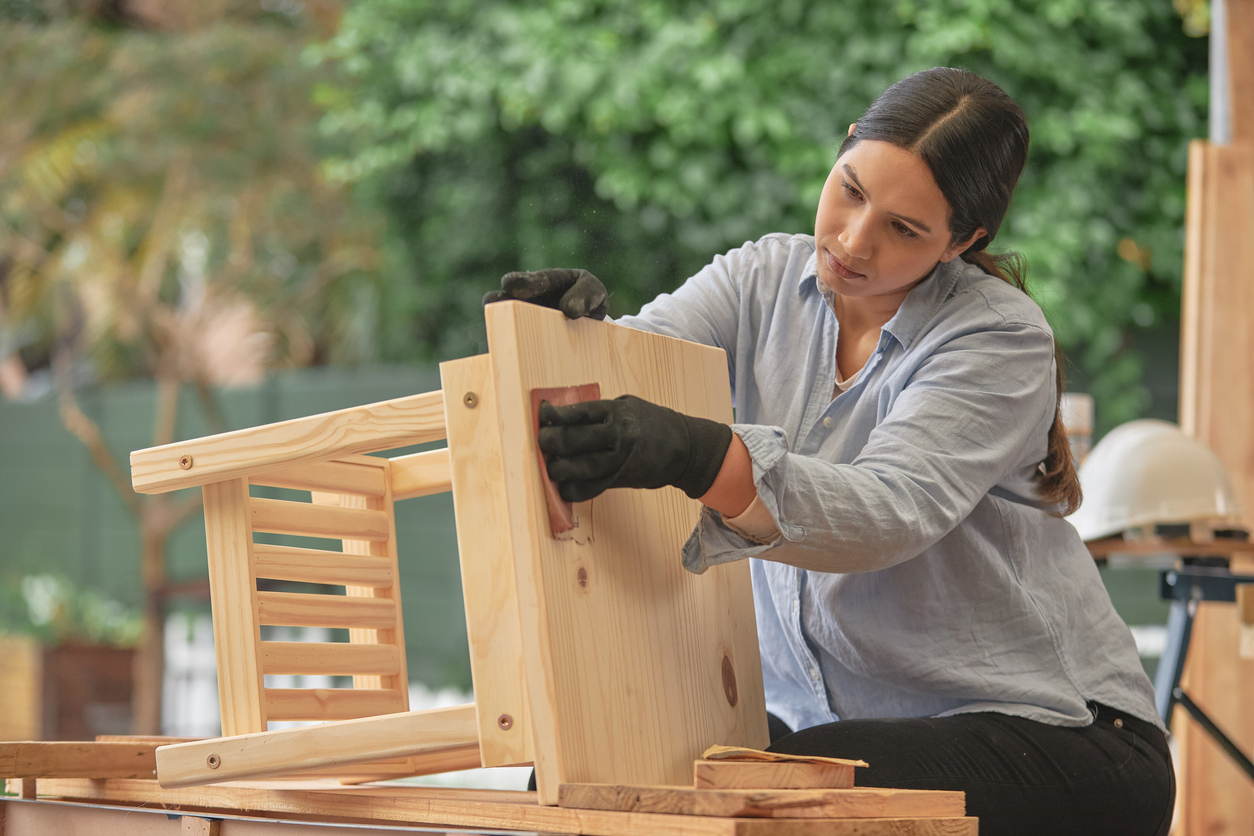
471 400
185 462
505 722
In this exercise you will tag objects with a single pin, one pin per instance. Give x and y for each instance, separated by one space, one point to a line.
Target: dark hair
974 139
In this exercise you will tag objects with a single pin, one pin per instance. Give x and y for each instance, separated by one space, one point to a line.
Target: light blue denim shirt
918 575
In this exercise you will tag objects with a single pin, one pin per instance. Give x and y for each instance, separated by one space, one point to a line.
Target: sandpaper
561 512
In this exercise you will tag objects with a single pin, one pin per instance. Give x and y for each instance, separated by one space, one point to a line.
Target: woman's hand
575 293
628 442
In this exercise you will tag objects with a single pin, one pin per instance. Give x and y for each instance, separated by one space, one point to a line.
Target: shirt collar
919 306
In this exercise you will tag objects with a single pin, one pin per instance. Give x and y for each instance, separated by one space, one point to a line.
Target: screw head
185 462
471 400
505 722
213 761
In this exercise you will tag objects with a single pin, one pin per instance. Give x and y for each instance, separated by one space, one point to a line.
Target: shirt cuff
754 523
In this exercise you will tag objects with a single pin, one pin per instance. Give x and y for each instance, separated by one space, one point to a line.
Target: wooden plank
303 518
1217 407
416 419
328 703
300 609
852 803
786 775
1245 603
479 808
288 563
233 590
21 700
310 747
420 474
350 477
486 555
1239 19
197 826
77 759
330 658
625 651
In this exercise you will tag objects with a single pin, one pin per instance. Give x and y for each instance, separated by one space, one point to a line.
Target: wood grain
749 774
633 665
310 747
288 563
328 703
1239 15
233 590
486 556
476 809
303 518
1217 407
314 610
402 422
77 759
772 803
351 477
420 474
329 658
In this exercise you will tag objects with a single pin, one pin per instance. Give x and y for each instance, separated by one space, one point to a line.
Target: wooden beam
852 803
421 474
300 609
486 809
77 759
386 425
1239 15
309 520
289 563
310 747
759 775
360 477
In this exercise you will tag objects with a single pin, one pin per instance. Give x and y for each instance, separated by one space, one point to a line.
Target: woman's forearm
733 489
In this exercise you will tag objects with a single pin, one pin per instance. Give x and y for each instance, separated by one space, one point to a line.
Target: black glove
575 293
592 446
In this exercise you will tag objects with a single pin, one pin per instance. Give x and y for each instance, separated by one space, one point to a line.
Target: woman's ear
959 247
852 126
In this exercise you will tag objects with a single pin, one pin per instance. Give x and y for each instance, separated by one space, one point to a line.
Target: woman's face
882 223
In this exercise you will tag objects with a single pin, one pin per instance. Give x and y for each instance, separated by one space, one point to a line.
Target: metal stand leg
1185 589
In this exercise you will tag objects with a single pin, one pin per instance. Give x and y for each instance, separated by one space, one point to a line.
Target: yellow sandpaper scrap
739 753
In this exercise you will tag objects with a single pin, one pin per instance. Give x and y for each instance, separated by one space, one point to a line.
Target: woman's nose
856 238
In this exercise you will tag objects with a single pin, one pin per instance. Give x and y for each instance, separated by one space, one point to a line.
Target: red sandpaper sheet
561 513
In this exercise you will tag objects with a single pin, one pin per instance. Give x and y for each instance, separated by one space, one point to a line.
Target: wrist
708 442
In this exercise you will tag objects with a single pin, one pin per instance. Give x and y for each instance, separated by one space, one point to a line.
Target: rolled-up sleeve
974 412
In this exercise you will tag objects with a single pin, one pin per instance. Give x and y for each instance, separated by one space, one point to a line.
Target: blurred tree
638 139
162 215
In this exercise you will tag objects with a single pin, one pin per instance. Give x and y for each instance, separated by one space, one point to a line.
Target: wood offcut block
852 803
758 775
77 759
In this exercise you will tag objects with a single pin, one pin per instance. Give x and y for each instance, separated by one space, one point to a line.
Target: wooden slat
279 517
416 419
758 775
233 588
486 555
309 747
298 609
618 582
77 759
1217 408
348 477
1239 17
483 809
790 804
329 658
420 474
331 703
287 563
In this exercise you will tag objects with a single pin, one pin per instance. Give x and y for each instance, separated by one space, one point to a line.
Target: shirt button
796 607
828 422
814 674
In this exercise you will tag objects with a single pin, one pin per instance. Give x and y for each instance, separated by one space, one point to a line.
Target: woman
900 473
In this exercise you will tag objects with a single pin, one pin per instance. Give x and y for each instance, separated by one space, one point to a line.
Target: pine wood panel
332 658
329 703
1239 16
745 774
77 759
351 477
633 665
233 589
479 808
310 747
310 610
1217 407
420 474
278 516
853 803
402 422
487 561
288 563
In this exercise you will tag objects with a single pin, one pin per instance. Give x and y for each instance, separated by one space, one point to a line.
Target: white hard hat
1147 472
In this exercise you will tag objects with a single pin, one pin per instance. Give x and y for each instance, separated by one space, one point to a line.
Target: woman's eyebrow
854 177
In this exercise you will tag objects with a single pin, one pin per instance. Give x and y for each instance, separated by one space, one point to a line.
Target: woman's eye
905 230
850 190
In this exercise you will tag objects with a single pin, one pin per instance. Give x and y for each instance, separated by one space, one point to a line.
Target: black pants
1021 777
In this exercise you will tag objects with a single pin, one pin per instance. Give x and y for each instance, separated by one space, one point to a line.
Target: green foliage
55 611
638 139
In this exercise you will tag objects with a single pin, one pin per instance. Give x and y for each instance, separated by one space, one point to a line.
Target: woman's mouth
839 268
